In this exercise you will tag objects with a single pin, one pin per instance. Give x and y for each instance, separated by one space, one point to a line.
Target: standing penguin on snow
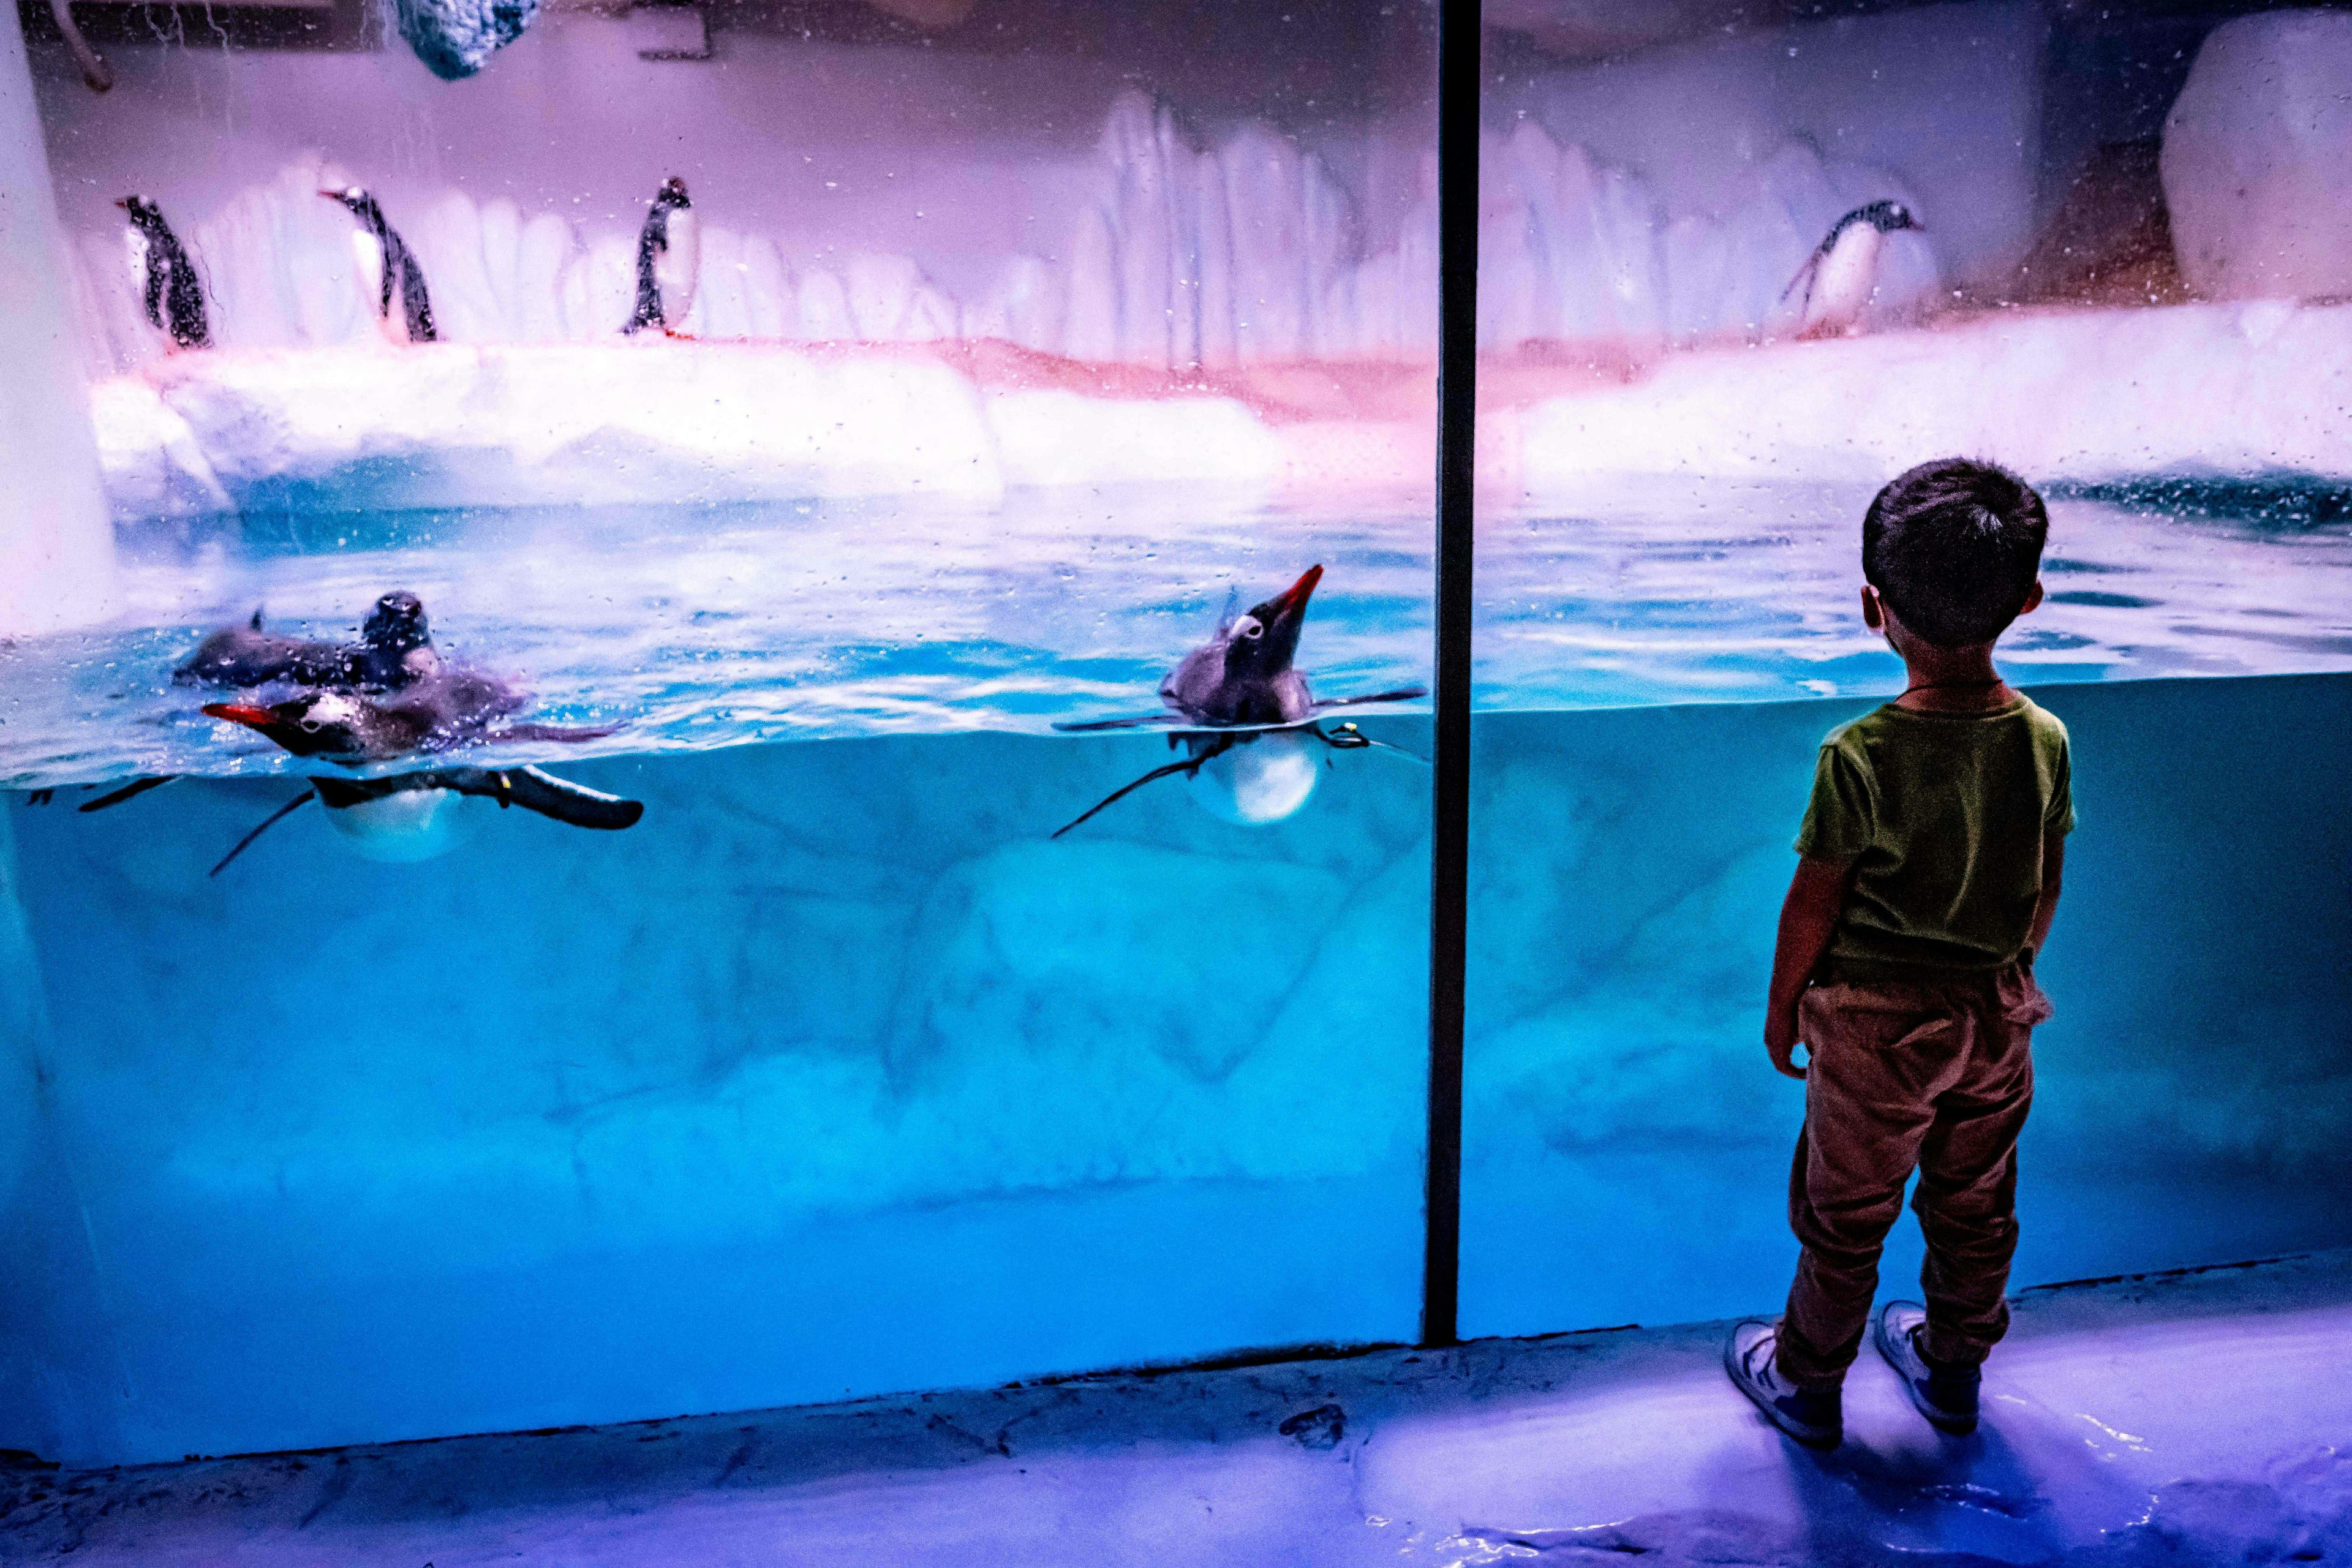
1842 274
174 295
388 272
669 257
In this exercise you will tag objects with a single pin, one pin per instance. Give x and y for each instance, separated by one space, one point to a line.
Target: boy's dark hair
1953 548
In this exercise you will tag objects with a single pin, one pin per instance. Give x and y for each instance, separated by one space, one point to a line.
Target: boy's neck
1952 681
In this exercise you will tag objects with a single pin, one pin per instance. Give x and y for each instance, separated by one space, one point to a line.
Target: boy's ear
2032 598
1875 617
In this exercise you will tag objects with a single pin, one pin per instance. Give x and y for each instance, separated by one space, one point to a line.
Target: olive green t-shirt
1943 816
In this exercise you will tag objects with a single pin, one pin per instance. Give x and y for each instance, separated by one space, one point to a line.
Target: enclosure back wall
1026 347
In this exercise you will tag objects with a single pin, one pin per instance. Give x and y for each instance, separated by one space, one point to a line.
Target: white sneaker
1948 1399
1814 1417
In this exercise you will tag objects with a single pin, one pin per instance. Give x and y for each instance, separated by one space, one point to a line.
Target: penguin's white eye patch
1247 627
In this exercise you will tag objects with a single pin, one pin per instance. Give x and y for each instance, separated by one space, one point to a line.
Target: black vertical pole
1458 76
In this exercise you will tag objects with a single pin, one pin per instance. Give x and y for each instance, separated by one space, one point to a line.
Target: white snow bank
2258 159
2243 389
2246 389
451 424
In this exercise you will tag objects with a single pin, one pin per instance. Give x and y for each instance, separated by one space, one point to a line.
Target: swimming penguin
172 294
395 647
1240 710
450 708
388 272
1842 274
405 817
669 259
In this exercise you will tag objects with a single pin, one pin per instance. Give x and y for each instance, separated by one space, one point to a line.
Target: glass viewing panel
786 416
1693 382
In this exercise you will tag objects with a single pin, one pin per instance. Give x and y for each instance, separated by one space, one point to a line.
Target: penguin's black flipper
1142 721
1401 694
267 824
1805 275
415 304
131 791
545 794
1348 738
1188 767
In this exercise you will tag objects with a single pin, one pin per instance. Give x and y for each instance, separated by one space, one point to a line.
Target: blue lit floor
2189 1418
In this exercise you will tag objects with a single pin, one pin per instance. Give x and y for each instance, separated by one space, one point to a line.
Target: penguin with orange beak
398 817
1242 709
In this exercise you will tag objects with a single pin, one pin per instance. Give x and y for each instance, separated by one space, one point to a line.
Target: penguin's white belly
1844 281
414 825
135 244
1261 781
367 270
677 268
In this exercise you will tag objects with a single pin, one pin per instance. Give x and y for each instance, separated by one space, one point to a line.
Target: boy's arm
2053 873
1807 917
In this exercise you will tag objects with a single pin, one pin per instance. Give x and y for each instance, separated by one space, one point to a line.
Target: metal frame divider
1459 73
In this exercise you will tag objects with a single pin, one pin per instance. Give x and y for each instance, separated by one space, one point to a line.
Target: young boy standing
1929 872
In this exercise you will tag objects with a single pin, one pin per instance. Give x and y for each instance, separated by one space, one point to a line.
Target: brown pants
1906 1076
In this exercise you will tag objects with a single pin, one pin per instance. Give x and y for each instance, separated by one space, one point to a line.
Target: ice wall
56 553
1052 207
2258 159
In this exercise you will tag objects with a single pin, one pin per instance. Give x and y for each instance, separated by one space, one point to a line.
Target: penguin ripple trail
388 273
1842 274
1239 706
168 287
395 647
669 259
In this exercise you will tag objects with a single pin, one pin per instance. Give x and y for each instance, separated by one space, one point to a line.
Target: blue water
837 1074
1626 1145
693 629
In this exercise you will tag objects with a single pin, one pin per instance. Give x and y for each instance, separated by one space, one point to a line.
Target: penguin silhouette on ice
170 288
391 283
1239 707
395 647
1842 274
669 259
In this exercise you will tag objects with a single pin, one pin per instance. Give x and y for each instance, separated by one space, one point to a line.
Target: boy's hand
1808 916
1780 1040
